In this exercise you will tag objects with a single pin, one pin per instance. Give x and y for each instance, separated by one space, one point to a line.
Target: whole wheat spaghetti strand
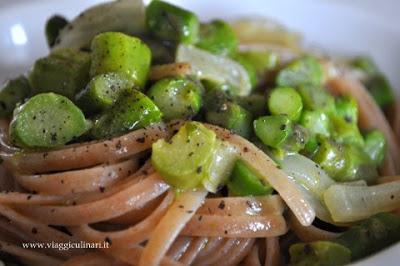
91 212
309 233
88 154
170 226
77 181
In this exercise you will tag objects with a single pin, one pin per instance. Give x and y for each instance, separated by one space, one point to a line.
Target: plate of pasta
158 133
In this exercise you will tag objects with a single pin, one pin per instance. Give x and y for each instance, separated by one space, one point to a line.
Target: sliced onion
311 180
220 69
125 16
354 203
265 31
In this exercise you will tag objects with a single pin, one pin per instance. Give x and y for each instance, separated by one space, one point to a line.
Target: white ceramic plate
337 26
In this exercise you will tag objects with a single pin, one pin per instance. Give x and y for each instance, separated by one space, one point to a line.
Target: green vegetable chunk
365 64
345 131
47 120
301 72
262 61
218 38
297 140
53 27
331 158
317 122
114 52
63 72
273 130
254 103
316 98
347 109
375 146
380 89
285 101
245 181
171 23
102 92
360 166
231 116
133 110
376 83
194 157
13 92
161 53
344 162
319 253
177 98
372 235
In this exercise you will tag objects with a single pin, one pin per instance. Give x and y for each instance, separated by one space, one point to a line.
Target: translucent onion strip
220 69
125 16
354 203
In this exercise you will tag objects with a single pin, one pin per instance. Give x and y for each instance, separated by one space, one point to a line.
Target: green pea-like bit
359 166
172 23
245 181
273 130
372 235
254 103
102 92
63 72
162 53
297 140
303 71
12 92
285 101
115 52
231 116
317 122
330 156
319 253
347 108
375 146
185 160
177 98
365 64
218 38
53 27
316 98
47 120
133 110
345 131
380 89
377 84
344 162
262 61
